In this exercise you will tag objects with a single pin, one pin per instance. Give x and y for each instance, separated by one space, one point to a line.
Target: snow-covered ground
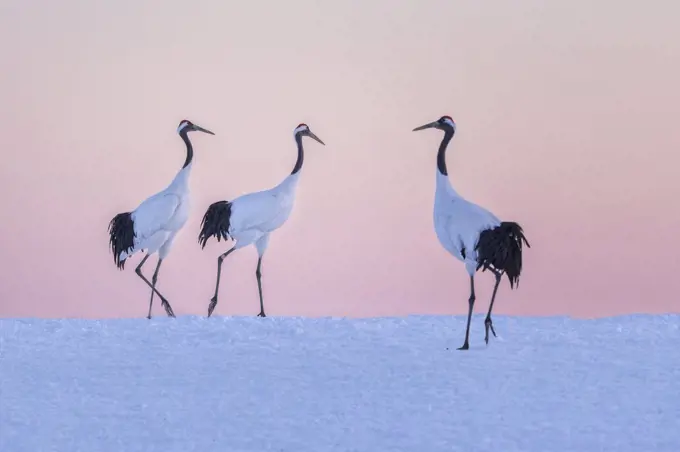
374 385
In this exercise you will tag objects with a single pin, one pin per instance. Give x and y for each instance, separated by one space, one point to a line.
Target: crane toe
168 308
488 325
211 306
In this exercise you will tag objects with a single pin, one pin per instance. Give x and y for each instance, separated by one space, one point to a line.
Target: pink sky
567 119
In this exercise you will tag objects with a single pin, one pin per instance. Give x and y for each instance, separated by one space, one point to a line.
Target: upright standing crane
153 225
473 234
251 218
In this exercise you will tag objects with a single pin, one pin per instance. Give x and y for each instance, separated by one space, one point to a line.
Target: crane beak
427 126
201 129
311 135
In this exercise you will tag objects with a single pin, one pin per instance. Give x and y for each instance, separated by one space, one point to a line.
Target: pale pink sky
567 118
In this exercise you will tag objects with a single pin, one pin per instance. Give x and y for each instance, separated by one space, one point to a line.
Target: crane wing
256 210
153 213
476 217
463 221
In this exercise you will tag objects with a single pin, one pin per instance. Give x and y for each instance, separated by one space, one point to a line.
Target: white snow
374 385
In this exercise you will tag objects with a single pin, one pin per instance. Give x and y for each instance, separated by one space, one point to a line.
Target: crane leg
258 275
164 302
138 270
471 304
261 244
487 322
213 300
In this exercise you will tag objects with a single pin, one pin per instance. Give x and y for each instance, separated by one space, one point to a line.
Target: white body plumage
158 218
255 215
458 222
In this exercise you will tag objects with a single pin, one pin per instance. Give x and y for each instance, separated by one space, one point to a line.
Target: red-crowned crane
153 225
473 234
251 218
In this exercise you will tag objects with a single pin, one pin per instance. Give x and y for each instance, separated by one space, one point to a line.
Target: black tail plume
122 236
500 249
216 222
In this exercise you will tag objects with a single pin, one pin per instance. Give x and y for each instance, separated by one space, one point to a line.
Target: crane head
444 123
186 126
302 130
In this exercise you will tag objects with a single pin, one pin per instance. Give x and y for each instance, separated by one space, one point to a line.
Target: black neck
441 155
190 148
301 154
